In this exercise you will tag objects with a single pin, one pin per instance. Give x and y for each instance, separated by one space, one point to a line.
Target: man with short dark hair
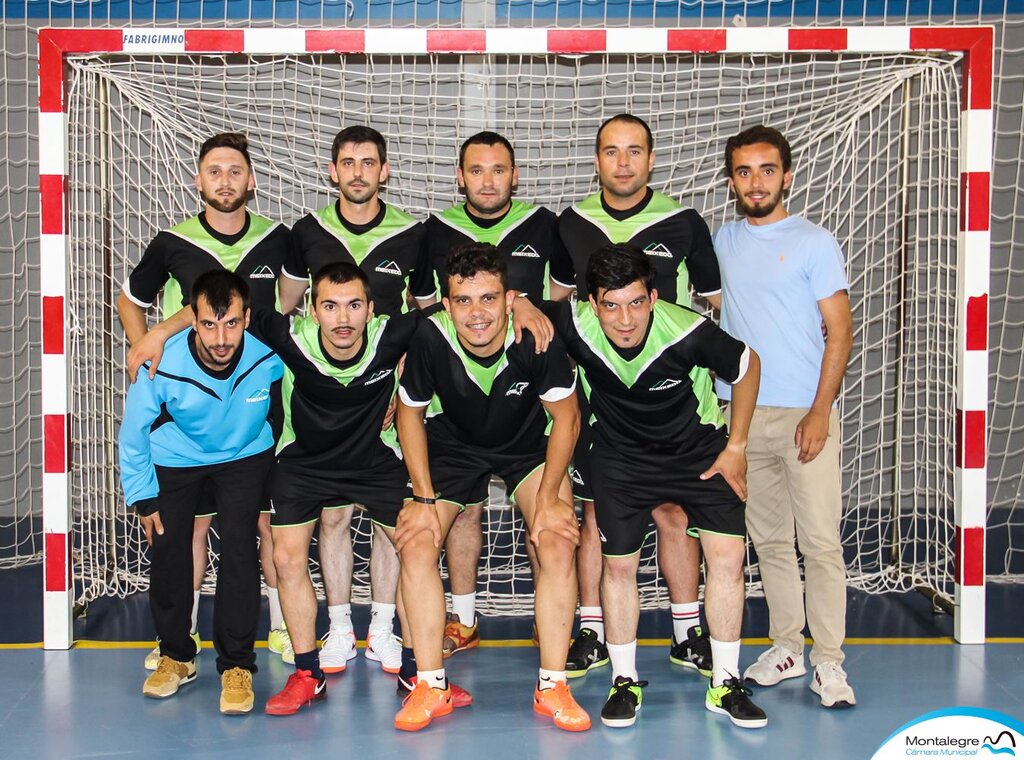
361 229
527 238
658 436
225 235
783 278
200 429
472 403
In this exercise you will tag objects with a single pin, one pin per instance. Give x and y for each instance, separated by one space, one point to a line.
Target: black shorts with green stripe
628 486
298 495
462 474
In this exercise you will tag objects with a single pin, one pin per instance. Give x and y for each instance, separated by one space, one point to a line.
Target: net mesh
875 152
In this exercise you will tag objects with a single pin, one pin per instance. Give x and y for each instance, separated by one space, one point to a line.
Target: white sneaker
337 649
830 684
386 648
153 658
776 664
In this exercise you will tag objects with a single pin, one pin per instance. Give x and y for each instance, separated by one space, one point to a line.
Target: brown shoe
236 697
459 637
168 676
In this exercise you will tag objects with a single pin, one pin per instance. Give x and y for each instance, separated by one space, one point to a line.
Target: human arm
812 431
290 292
559 292
148 346
551 512
415 517
138 473
731 463
526 315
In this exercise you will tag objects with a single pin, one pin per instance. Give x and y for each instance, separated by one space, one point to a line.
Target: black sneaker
586 652
694 652
732 698
623 703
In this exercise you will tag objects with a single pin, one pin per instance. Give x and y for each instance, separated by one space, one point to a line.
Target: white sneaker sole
838 704
741 723
620 722
796 671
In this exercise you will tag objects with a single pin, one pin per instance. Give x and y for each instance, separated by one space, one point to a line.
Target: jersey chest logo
377 376
388 267
261 395
664 385
516 389
659 250
262 273
527 251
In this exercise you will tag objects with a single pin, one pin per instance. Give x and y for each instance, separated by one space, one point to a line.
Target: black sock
408 669
309 661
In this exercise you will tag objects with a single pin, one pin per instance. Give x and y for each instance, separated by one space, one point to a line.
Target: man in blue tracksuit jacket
201 427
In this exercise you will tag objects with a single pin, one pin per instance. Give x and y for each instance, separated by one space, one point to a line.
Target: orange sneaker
422 706
458 637
460 697
559 704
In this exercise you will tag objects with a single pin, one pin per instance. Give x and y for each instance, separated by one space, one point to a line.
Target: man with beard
678 243
782 278
196 434
225 235
385 242
527 238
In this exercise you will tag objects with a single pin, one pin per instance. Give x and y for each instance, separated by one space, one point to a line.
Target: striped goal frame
973 240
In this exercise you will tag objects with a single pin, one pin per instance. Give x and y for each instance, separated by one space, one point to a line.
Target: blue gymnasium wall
640 11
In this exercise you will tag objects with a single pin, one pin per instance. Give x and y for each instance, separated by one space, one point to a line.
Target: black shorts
298 494
462 475
629 487
580 476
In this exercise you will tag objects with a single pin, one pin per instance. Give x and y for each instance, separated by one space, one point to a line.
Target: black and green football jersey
333 411
176 257
494 407
390 252
661 398
527 238
676 239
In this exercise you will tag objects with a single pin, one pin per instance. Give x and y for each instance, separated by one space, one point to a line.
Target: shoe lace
830 671
167 665
623 686
237 678
738 686
294 685
418 696
335 637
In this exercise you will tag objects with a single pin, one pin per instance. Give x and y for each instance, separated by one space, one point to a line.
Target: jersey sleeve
711 347
149 275
295 266
416 387
270 327
292 259
562 270
554 375
421 284
701 262
825 267
138 474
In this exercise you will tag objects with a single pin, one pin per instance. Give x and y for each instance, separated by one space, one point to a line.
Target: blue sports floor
87 702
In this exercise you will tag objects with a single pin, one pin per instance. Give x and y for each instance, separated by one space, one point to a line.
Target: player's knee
419 552
556 554
726 558
620 570
289 564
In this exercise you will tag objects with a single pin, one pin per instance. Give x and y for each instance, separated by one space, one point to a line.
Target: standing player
385 242
488 400
676 239
225 235
782 278
658 436
199 429
527 238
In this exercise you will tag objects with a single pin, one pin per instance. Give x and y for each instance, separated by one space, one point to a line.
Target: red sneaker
301 690
460 697
422 706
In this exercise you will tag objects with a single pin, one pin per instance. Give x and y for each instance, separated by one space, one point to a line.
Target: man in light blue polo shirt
782 278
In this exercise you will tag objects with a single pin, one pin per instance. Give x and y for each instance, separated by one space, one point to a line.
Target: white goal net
875 153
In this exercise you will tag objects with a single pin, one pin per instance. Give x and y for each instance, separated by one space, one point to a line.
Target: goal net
875 140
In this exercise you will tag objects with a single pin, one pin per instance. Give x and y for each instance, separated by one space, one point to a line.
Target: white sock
684 617
274 603
464 607
548 679
435 679
382 617
593 618
341 617
725 661
195 612
623 658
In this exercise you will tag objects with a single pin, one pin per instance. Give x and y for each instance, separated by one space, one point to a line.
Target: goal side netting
875 157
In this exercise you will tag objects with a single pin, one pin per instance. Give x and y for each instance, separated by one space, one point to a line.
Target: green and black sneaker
623 703
732 698
586 653
694 652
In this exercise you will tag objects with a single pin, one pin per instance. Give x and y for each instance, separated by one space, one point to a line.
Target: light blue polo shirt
772 279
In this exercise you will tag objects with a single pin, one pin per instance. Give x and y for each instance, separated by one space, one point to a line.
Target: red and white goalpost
915 514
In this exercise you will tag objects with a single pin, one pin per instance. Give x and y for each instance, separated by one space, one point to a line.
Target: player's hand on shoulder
526 315
413 520
811 435
149 348
557 516
731 464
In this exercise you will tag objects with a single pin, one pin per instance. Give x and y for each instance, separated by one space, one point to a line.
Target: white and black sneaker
732 698
586 653
830 684
694 652
624 701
